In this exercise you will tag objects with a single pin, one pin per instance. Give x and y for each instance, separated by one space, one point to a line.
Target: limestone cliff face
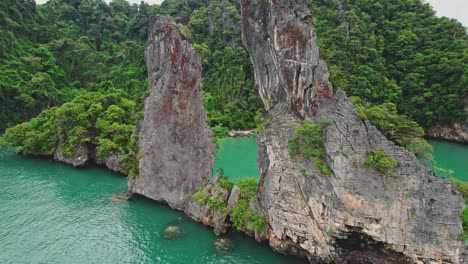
356 214
284 47
175 143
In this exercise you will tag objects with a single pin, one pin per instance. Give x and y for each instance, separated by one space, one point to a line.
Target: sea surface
451 156
54 213
238 158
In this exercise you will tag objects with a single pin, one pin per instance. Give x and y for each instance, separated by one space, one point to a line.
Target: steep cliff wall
356 214
175 143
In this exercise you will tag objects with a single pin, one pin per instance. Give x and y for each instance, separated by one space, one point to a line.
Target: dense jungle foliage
396 52
394 55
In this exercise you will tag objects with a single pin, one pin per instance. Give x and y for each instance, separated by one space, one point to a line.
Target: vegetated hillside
52 53
392 54
396 52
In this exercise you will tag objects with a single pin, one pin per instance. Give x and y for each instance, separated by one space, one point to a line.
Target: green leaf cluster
462 187
308 143
397 128
465 223
378 159
210 196
242 214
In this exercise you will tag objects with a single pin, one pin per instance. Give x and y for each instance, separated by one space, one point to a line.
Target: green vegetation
462 187
130 161
103 121
54 53
211 197
242 215
308 142
225 183
398 128
378 159
465 224
50 54
396 52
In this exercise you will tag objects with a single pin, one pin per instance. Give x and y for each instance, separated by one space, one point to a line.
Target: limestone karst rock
356 214
176 146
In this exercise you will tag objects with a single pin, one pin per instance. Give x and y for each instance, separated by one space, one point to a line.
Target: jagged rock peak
283 45
343 211
175 142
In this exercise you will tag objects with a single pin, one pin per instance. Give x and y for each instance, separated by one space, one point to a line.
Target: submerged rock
355 214
176 145
121 197
223 245
173 232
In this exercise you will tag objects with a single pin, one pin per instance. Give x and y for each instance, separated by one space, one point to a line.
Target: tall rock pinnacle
284 46
176 145
353 213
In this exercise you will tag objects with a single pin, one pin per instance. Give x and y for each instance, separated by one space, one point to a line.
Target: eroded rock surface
176 146
356 214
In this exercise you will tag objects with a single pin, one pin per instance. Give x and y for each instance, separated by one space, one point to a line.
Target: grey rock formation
113 163
356 214
201 211
175 143
284 47
458 132
86 154
234 197
80 159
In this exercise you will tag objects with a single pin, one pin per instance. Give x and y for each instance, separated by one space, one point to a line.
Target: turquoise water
451 156
238 158
53 213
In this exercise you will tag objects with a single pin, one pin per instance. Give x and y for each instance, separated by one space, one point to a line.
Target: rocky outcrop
86 154
176 146
356 214
284 48
199 210
458 132
80 159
